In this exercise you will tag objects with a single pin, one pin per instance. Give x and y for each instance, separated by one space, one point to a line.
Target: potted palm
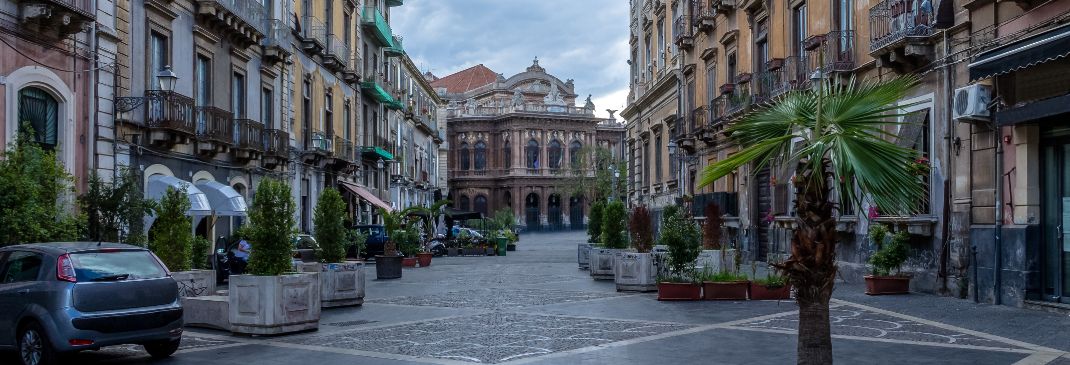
408 242
613 238
635 271
725 284
388 265
890 255
273 299
836 138
341 282
681 236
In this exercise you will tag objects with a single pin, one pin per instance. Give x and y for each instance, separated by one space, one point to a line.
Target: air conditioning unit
971 103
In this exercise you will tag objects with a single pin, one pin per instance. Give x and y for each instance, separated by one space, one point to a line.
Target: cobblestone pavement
535 307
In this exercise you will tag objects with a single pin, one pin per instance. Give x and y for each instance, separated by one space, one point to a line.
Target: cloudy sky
583 40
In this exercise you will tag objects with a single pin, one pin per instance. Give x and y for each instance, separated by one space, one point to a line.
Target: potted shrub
172 242
635 271
680 235
594 232
271 299
724 284
614 239
890 256
772 287
388 265
341 282
408 242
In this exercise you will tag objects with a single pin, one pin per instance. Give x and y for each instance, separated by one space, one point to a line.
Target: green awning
378 152
378 93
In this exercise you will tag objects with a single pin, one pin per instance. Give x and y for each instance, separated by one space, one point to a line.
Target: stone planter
761 292
583 255
635 272
473 251
711 260
602 260
341 284
272 305
453 251
510 247
490 251
195 283
679 291
884 285
733 290
408 262
387 267
424 258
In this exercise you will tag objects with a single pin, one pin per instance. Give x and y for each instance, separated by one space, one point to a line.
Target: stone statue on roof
554 97
470 106
518 97
589 105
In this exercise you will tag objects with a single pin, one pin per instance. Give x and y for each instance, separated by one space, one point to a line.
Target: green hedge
329 219
271 222
173 231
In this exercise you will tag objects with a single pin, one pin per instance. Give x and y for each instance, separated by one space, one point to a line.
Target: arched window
554 152
462 156
507 155
481 156
574 152
481 204
532 154
39 112
464 203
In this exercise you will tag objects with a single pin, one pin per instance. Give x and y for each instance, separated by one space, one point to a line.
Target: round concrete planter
583 255
341 284
272 305
388 267
887 285
635 272
602 260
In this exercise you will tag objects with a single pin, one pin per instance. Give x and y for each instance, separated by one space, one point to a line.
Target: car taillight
65 269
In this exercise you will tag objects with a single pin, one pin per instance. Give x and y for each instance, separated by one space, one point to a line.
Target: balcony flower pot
635 272
341 284
679 291
387 267
408 262
886 285
762 292
730 290
602 261
273 305
583 255
424 258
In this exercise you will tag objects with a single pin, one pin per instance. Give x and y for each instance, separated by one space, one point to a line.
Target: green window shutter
39 111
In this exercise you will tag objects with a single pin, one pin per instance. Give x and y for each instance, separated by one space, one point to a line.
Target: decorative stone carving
589 105
554 97
518 98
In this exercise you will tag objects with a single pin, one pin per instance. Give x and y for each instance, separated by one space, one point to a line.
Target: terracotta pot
761 292
424 258
881 285
733 290
679 291
408 262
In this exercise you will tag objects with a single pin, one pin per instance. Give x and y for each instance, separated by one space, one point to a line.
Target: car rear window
89 266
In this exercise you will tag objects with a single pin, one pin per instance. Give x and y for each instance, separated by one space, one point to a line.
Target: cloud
582 40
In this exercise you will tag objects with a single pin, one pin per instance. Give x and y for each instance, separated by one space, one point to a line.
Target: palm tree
838 137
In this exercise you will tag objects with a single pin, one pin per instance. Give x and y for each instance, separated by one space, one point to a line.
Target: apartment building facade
414 179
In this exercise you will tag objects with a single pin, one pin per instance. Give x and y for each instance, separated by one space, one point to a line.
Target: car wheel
34 348
162 349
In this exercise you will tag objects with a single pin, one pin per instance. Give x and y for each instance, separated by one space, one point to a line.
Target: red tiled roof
468 79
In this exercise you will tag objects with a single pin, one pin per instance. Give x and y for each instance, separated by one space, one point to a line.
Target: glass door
1055 251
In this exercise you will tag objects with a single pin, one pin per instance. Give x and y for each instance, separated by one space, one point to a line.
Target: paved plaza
535 307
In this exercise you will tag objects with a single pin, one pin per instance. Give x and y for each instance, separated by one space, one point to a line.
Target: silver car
59 298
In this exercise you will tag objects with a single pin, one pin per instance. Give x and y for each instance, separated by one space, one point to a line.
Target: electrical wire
34 59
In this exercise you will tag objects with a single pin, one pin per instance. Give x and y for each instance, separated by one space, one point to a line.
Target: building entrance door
763 204
1055 203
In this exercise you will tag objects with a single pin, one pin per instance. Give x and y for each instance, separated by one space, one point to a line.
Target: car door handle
24 291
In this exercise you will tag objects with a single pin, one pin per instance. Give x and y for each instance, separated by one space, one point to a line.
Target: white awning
224 199
158 185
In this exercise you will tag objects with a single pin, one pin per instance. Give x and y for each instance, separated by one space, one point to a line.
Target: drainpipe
998 234
945 253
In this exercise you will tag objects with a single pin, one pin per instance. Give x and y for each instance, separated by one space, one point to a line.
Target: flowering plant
768 217
873 213
920 166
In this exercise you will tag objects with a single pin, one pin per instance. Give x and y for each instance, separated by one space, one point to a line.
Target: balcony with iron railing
337 56
682 33
276 146
375 24
56 18
351 73
494 111
830 52
165 111
214 125
245 20
396 48
739 100
248 139
343 152
313 34
703 15
901 25
318 142
277 42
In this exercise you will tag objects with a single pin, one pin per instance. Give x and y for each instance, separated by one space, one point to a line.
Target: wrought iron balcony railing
343 149
830 52
252 12
318 141
278 34
682 32
163 109
892 21
491 111
249 134
337 52
214 125
699 117
314 31
276 143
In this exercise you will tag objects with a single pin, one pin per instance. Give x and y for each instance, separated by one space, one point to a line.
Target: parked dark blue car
374 243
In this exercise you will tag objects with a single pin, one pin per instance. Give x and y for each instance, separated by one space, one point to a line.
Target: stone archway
554 215
575 212
531 212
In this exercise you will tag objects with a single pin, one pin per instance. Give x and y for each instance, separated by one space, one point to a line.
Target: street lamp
167 78
379 164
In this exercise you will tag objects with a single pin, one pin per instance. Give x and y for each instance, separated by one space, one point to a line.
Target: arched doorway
464 203
481 205
575 212
531 212
554 213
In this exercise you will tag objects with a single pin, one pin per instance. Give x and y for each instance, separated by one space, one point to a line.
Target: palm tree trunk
812 265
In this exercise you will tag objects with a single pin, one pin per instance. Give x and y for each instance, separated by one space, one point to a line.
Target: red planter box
679 291
760 292
736 290
882 285
424 258
408 262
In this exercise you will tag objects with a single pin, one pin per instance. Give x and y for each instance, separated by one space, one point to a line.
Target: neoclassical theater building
512 139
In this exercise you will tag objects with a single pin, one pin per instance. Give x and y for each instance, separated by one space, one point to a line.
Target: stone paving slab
496 298
490 338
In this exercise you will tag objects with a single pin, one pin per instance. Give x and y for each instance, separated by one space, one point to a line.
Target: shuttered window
38 114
